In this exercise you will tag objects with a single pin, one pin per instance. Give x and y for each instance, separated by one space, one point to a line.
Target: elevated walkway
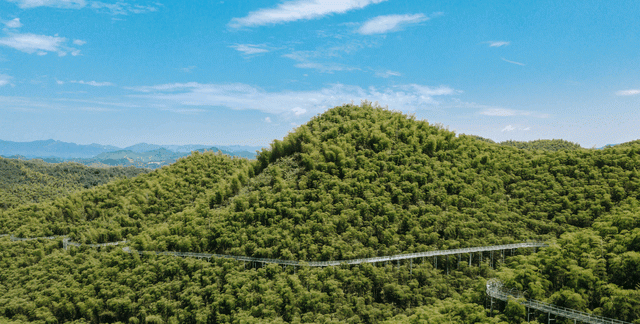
495 289
389 258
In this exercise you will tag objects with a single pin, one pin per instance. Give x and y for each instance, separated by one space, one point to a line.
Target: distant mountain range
139 155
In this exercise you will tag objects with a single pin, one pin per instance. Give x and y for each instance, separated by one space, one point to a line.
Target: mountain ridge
66 150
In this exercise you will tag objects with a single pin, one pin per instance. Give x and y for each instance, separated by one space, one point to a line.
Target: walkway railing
66 243
396 257
495 289
408 256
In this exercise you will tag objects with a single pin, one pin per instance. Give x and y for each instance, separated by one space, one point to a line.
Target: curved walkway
396 257
495 289
408 256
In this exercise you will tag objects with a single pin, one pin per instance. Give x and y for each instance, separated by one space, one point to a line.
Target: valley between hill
354 182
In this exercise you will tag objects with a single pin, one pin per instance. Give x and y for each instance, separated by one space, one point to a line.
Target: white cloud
527 128
631 92
59 82
501 112
267 119
4 79
93 83
389 23
117 8
31 43
79 42
426 91
249 49
513 62
14 23
298 10
498 44
121 8
509 128
388 73
304 61
325 67
71 4
298 111
241 96
75 52
188 69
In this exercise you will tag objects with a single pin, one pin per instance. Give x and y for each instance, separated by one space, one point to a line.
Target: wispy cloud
14 23
307 60
95 109
71 4
241 96
93 83
386 74
509 128
513 62
267 120
298 10
117 8
121 8
249 49
390 23
630 92
498 43
79 42
298 111
325 67
502 112
188 69
427 91
4 79
31 43
520 128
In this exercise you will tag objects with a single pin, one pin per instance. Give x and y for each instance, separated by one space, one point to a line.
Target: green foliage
544 145
35 181
353 182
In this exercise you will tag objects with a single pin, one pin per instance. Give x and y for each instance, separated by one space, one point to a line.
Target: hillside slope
352 182
34 181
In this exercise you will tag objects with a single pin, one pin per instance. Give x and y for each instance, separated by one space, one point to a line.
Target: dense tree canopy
356 181
33 181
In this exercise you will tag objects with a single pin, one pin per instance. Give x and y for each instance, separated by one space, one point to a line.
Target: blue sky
247 72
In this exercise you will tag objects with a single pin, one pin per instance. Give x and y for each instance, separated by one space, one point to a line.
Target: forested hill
34 181
545 145
356 181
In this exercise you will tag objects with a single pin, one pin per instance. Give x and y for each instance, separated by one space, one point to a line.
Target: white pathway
495 289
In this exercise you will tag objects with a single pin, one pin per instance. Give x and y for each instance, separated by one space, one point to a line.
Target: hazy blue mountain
145 147
160 154
606 146
186 148
241 148
52 148
142 147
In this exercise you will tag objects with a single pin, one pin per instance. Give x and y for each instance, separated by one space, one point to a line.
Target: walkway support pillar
447 264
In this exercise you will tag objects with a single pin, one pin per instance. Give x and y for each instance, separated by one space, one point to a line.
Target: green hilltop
354 182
